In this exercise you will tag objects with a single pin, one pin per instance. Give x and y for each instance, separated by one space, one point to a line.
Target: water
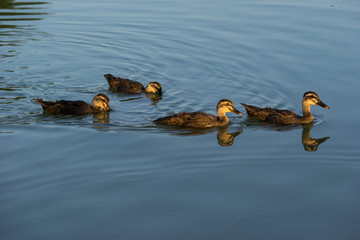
122 177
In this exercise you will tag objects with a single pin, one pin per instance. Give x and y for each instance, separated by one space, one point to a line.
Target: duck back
284 117
192 120
124 85
66 107
258 113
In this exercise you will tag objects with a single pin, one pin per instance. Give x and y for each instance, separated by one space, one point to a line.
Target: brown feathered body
272 115
201 119
191 120
286 117
66 107
99 103
124 85
258 113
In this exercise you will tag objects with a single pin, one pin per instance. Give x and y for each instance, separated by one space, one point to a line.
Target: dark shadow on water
154 98
130 99
11 4
17 21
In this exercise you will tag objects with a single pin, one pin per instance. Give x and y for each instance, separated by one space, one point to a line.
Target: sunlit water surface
119 176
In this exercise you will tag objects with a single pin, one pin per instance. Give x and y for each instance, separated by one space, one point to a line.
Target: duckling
99 103
130 86
201 119
285 116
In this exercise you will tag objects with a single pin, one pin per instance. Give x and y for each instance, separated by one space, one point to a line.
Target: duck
201 119
286 117
99 103
118 84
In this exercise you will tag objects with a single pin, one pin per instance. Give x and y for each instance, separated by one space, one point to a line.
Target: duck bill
321 104
234 110
158 92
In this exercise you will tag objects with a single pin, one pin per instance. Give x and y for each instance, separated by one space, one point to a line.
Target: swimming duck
99 103
285 116
201 119
130 86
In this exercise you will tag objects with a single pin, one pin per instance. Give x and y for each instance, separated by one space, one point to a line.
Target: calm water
121 177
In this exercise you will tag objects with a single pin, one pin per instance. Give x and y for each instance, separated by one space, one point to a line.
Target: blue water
122 177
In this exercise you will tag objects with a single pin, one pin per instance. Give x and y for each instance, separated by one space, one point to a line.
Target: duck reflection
223 137
226 139
154 98
101 117
311 144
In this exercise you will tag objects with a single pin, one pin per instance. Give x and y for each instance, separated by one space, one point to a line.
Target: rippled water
122 177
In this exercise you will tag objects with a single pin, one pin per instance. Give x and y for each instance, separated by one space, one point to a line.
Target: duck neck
305 137
306 112
222 116
94 108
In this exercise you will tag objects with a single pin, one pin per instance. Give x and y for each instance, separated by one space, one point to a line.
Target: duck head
101 101
311 98
226 105
153 87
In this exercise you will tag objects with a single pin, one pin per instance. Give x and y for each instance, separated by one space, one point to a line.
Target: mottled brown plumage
200 119
118 84
99 103
286 117
258 113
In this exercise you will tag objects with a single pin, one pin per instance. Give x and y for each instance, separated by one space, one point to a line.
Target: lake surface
122 177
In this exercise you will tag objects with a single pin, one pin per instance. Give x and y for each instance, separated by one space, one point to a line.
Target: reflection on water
154 98
226 139
311 144
101 117
223 137
17 26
